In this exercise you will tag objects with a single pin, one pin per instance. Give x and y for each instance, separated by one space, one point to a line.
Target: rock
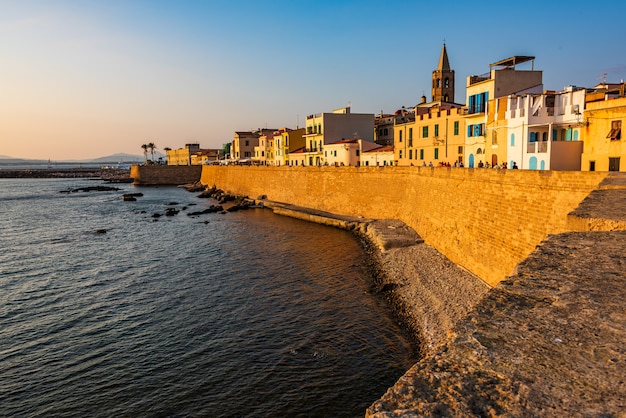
212 209
171 212
129 198
101 231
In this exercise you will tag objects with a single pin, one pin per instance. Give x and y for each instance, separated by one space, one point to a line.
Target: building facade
325 128
605 116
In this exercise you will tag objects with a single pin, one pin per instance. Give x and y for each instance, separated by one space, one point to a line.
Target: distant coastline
76 172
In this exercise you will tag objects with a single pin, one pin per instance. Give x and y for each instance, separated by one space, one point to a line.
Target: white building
544 130
381 156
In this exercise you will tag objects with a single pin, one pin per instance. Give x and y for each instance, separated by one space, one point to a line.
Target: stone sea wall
484 220
173 175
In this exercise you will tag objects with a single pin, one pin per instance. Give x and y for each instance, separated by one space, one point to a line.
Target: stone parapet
165 175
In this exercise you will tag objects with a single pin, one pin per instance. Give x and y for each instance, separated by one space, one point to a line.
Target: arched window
543 165
446 82
479 151
438 82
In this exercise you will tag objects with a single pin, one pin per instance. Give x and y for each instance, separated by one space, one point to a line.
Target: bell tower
443 79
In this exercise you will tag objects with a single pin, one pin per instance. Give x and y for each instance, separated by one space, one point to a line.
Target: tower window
446 83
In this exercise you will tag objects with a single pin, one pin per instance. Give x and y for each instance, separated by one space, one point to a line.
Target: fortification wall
484 220
153 175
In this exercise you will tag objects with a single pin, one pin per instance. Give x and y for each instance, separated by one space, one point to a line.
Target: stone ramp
385 234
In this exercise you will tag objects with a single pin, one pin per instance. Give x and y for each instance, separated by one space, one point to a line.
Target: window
592 166
421 154
424 131
456 127
410 154
247 143
437 130
478 103
436 153
410 137
400 136
358 152
476 130
446 82
335 153
616 130
460 150
512 140
400 153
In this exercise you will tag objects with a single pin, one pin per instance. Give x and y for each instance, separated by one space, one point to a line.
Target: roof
386 148
512 61
444 63
298 151
344 141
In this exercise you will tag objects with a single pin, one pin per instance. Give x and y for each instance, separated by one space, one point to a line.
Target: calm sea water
242 314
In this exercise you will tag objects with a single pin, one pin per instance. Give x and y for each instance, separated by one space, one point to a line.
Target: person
461 164
430 164
504 165
514 165
480 164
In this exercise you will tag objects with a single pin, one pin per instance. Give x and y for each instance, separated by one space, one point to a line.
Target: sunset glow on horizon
84 79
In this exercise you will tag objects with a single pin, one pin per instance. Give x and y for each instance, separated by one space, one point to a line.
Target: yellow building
605 115
182 156
503 79
436 136
286 142
496 132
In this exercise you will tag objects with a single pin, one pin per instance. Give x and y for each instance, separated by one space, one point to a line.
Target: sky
82 79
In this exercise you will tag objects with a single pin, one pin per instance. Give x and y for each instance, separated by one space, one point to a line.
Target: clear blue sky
86 78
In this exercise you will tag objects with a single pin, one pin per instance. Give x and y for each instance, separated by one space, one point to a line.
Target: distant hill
120 157
113 158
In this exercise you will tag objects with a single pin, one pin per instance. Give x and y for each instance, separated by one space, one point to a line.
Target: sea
113 308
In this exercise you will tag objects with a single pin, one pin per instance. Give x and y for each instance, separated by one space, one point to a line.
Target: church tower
443 79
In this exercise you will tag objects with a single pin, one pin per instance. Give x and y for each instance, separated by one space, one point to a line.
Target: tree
145 151
151 147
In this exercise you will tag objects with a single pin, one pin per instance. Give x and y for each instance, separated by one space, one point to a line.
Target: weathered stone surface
547 341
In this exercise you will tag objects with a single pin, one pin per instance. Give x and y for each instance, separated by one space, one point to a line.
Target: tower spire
443 79
444 64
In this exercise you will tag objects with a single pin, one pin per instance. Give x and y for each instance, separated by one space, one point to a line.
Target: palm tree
151 147
145 151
